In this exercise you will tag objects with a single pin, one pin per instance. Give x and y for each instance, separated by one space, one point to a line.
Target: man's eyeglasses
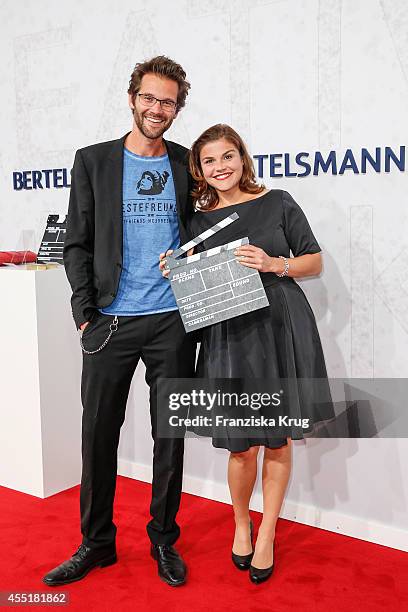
149 100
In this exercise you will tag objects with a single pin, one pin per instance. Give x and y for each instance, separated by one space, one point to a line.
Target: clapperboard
213 286
52 243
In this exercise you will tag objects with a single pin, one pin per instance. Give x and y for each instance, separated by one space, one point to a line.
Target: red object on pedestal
17 257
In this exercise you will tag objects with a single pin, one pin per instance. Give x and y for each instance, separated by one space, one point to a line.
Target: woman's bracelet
286 269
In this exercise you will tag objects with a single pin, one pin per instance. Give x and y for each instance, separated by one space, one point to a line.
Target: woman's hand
255 257
162 258
162 265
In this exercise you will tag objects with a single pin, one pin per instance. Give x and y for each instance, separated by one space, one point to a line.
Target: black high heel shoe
243 562
257 575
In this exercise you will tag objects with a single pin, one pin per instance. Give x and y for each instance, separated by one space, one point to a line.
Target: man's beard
150 131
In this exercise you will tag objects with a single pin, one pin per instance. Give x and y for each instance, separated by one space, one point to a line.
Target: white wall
291 76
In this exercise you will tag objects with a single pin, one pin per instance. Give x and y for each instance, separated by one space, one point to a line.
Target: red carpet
315 570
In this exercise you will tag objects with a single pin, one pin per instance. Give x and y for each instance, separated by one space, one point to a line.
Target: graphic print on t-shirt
150 227
152 183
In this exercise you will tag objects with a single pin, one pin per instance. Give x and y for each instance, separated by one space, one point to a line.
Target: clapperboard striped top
172 261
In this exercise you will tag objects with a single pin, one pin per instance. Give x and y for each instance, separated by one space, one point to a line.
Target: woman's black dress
279 342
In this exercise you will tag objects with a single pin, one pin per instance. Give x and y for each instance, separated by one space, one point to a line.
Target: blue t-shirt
150 227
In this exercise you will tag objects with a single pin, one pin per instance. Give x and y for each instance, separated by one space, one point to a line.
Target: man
129 201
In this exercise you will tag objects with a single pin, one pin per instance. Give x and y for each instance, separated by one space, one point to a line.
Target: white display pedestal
40 360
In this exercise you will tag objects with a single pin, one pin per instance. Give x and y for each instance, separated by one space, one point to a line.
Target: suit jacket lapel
116 192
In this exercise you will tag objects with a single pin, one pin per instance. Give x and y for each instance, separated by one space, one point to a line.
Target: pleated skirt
280 344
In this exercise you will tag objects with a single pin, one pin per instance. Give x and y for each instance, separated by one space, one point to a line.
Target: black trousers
167 351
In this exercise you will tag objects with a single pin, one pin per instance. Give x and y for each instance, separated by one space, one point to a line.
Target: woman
277 342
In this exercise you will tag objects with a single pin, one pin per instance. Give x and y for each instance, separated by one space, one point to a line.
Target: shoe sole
173 584
104 563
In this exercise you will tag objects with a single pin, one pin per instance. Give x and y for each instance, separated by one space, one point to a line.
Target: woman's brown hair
205 194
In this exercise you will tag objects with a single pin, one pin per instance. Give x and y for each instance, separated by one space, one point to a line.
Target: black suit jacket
93 243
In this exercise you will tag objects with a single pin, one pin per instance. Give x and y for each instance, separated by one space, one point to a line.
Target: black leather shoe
242 562
257 576
171 566
78 566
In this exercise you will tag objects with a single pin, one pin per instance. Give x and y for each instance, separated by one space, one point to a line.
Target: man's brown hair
164 67
205 194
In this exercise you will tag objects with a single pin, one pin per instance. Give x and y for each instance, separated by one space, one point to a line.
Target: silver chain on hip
112 328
